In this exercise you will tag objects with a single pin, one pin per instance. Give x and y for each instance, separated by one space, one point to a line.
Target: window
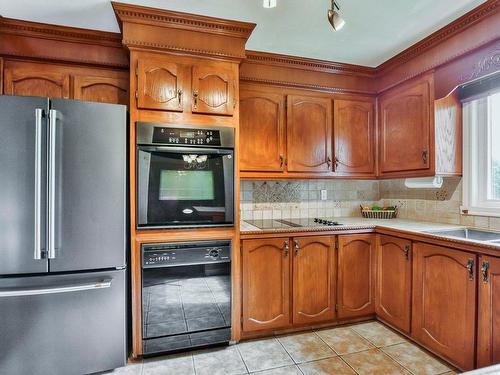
482 155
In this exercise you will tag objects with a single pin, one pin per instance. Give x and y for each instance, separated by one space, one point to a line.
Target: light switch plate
324 195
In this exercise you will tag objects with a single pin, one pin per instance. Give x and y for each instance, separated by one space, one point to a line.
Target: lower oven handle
186 150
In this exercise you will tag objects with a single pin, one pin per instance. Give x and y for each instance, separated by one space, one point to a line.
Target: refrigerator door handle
19 292
51 188
38 182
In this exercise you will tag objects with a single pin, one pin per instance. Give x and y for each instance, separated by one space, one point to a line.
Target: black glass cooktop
292 223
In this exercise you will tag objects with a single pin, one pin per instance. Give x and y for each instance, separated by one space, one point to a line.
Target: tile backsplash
302 198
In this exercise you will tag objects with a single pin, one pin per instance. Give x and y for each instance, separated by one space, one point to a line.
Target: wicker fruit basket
379 213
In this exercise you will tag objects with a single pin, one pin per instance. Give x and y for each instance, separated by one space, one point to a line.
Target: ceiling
375 30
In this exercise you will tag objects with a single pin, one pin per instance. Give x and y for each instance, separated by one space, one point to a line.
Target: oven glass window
184 188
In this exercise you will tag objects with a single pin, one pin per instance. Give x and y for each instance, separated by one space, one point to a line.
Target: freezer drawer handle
19 292
38 183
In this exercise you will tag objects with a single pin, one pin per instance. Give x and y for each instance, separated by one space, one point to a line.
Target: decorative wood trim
158 29
484 65
274 59
459 25
305 86
180 20
42 41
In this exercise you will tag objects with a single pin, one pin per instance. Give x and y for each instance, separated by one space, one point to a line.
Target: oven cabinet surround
356 275
301 134
488 330
444 302
418 136
165 83
393 284
65 82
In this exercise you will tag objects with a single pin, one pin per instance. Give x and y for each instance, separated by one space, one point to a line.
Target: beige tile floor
364 349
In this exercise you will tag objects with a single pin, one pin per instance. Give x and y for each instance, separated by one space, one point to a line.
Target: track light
269 3
334 17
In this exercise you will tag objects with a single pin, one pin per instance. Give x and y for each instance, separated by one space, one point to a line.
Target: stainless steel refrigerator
62 236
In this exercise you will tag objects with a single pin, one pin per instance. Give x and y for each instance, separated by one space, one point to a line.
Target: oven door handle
186 150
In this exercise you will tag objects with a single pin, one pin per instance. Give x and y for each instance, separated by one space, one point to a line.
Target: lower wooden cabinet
444 302
266 284
313 279
488 329
393 286
356 275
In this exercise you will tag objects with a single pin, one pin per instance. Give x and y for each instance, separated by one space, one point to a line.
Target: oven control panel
185 254
186 137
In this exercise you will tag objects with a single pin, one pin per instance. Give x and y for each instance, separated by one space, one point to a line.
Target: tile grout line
237 346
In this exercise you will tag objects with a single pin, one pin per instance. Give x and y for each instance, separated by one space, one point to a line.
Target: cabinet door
356 279
313 279
214 88
101 89
266 284
406 126
160 84
354 137
488 331
393 289
31 79
262 138
309 134
444 302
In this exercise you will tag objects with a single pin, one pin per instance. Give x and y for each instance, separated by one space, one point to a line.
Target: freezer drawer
64 324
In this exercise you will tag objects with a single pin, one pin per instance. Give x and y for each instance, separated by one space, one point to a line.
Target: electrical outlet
324 195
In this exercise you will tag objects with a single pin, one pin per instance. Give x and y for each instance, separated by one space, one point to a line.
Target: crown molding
59 33
181 20
274 59
462 23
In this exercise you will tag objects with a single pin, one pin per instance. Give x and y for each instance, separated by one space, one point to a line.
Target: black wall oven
185 176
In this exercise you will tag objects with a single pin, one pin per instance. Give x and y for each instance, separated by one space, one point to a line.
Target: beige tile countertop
358 223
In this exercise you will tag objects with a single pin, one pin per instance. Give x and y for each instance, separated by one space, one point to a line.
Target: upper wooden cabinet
169 83
266 283
406 129
214 88
54 81
354 137
262 131
309 134
32 79
488 329
101 89
393 287
160 84
356 275
313 279
444 302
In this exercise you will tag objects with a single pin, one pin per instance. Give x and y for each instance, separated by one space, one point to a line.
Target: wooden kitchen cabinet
354 137
309 134
393 287
406 126
262 131
444 302
214 88
356 275
101 89
161 84
266 283
313 279
34 79
488 330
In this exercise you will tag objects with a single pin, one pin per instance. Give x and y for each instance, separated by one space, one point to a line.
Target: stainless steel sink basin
470 234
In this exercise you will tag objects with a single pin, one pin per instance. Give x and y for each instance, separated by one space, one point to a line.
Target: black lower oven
186 295
185 176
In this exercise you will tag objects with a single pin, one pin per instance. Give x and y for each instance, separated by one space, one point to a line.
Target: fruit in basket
366 208
377 208
390 208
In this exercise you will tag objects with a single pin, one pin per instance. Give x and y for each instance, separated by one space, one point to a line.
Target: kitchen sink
470 234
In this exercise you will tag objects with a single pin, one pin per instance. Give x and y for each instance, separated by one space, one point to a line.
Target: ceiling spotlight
334 17
269 3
